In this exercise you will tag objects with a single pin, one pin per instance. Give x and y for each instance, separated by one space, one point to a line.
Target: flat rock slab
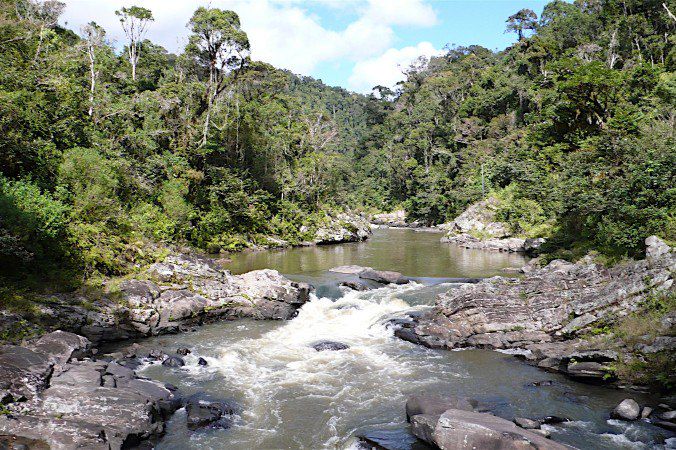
457 429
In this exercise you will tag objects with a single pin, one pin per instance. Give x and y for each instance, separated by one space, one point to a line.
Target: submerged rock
329 345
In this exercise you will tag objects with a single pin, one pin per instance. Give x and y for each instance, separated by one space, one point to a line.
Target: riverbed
294 397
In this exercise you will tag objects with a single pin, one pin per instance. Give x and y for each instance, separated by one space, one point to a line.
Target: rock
23 372
205 411
668 415
628 409
329 345
458 429
350 270
541 383
646 411
531 246
547 311
509 245
61 346
656 247
202 362
423 426
543 433
156 354
670 443
342 228
355 286
435 405
89 404
395 219
183 351
667 425
552 420
527 423
173 361
479 217
383 276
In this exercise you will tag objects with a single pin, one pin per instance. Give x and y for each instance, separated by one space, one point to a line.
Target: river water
294 397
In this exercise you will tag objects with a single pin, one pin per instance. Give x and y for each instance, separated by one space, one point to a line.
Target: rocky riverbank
55 393
478 228
564 317
170 296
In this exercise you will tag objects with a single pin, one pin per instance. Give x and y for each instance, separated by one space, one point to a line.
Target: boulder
205 411
458 429
23 373
183 351
342 228
329 345
202 362
628 409
435 405
527 423
383 276
173 361
355 286
656 247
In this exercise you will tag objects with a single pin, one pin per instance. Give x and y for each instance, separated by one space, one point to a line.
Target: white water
329 387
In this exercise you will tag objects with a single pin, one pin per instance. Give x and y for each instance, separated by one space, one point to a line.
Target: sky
355 44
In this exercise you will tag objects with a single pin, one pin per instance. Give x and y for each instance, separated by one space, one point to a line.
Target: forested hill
107 156
572 126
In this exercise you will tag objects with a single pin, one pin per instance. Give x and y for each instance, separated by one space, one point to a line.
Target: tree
523 20
135 21
94 37
219 42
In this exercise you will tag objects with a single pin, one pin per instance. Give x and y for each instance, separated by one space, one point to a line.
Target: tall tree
94 37
523 20
219 42
135 21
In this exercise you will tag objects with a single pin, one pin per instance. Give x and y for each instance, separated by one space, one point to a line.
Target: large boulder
383 276
82 403
458 429
342 228
548 311
435 405
628 409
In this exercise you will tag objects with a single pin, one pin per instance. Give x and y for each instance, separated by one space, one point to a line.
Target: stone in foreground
627 410
458 430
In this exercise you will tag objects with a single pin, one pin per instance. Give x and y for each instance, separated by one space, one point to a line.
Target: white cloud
387 69
282 32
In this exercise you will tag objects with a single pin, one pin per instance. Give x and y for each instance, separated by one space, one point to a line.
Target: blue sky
355 44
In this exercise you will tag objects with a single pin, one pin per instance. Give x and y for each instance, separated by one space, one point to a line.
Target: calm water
294 397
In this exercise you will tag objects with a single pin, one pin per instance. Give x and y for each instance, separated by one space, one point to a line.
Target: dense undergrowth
106 163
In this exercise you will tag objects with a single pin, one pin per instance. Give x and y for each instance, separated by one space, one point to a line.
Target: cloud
387 69
285 33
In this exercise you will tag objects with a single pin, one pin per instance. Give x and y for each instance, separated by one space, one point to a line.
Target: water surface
294 397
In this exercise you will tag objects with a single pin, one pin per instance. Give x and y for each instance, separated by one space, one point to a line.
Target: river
294 397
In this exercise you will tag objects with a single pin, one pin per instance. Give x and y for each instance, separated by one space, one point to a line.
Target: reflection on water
415 254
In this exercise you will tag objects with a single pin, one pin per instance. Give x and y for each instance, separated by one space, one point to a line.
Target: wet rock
329 345
173 361
646 411
435 404
544 433
423 426
541 383
667 425
156 354
206 411
202 362
628 409
388 439
183 351
383 276
552 420
458 429
355 286
668 415
527 423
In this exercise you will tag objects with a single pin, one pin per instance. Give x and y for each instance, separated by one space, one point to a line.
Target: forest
108 158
